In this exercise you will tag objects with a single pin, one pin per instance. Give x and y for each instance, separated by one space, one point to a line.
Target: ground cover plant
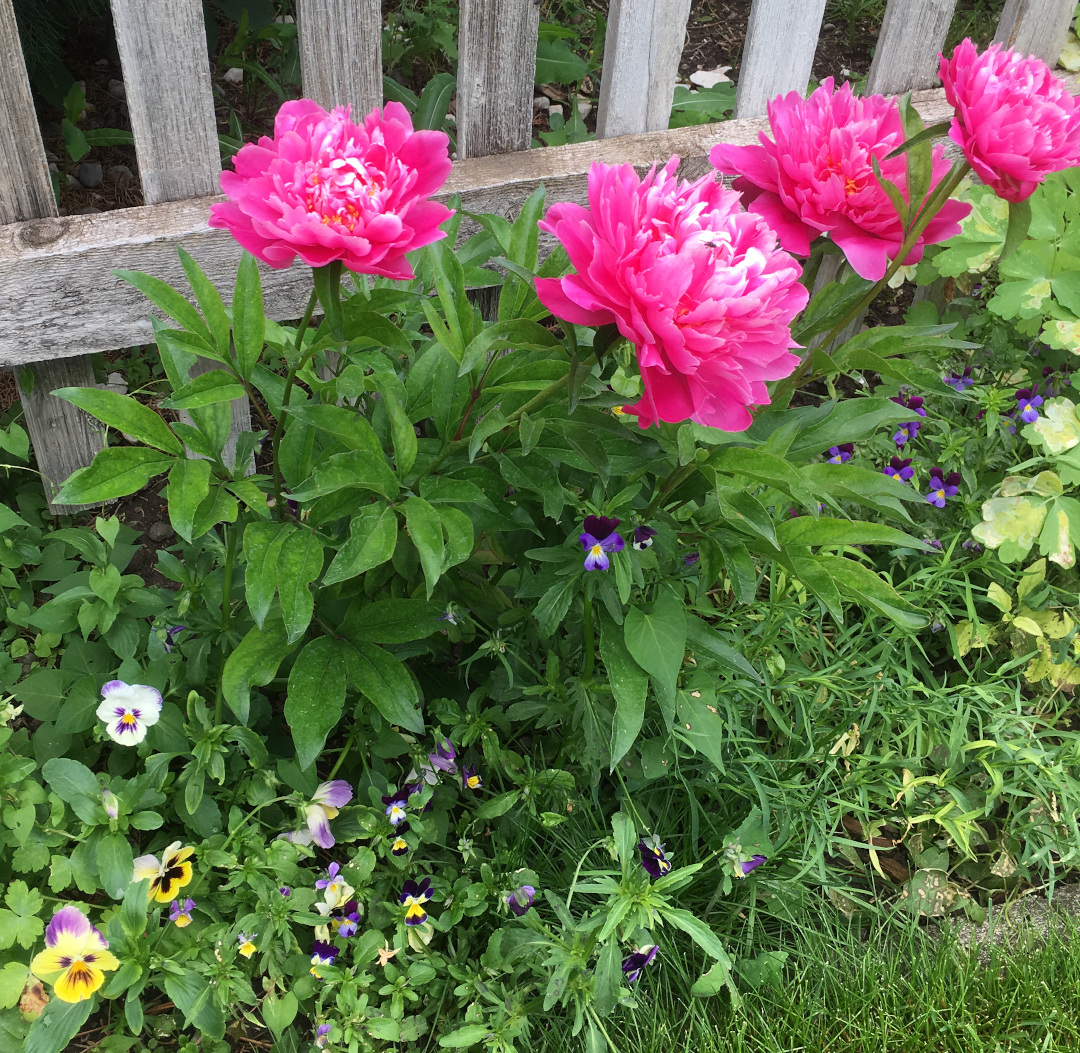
517 666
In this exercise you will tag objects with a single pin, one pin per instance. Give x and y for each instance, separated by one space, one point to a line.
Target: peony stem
290 379
553 388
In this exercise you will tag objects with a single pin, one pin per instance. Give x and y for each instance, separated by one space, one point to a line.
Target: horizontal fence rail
59 301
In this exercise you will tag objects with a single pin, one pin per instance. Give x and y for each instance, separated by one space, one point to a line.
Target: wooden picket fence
59 303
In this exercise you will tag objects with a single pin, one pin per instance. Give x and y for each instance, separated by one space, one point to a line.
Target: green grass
845 991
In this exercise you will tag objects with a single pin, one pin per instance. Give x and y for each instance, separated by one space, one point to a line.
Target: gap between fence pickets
73 255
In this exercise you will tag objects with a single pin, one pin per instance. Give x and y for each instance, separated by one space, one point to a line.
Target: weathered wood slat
25 189
341 53
496 64
162 47
62 435
1036 27
642 49
96 311
778 55
163 52
912 34
64 438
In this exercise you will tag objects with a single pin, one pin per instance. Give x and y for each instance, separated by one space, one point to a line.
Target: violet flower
1028 403
960 381
942 486
899 469
643 538
653 859
840 454
747 865
470 780
322 954
598 539
521 899
638 960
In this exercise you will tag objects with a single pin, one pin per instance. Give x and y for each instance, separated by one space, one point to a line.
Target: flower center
598 550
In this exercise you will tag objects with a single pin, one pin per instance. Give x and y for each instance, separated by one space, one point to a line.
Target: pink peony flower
694 283
1015 121
326 189
816 176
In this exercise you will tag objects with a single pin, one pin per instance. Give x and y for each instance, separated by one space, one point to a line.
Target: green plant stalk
590 641
942 192
290 379
678 476
255 811
552 389
226 603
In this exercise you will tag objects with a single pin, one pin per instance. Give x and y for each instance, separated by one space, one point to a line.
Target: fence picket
912 34
778 55
1036 27
642 49
496 63
63 436
341 53
162 46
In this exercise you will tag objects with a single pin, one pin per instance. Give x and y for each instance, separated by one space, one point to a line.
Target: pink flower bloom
1015 121
698 286
816 176
326 189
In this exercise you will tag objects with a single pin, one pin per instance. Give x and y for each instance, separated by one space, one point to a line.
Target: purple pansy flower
746 865
444 758
598 539
960 381
942 486
398 845
180 913
322 954
690 559
899 469
972 545
346 920
331 881
638 960
170 637
322 1035
1028 403
285 891
521 899
328 799
840 454
414 895
395 808
653 859
470 780
643 538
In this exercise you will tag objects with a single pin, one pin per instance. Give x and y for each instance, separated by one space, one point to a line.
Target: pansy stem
342 755
226 600
590 643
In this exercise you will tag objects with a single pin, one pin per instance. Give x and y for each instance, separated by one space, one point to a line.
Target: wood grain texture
58 298
642 49
25 189
64 438
1036 27
162 47
496 64
781 39
341 53
912 34
167 74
